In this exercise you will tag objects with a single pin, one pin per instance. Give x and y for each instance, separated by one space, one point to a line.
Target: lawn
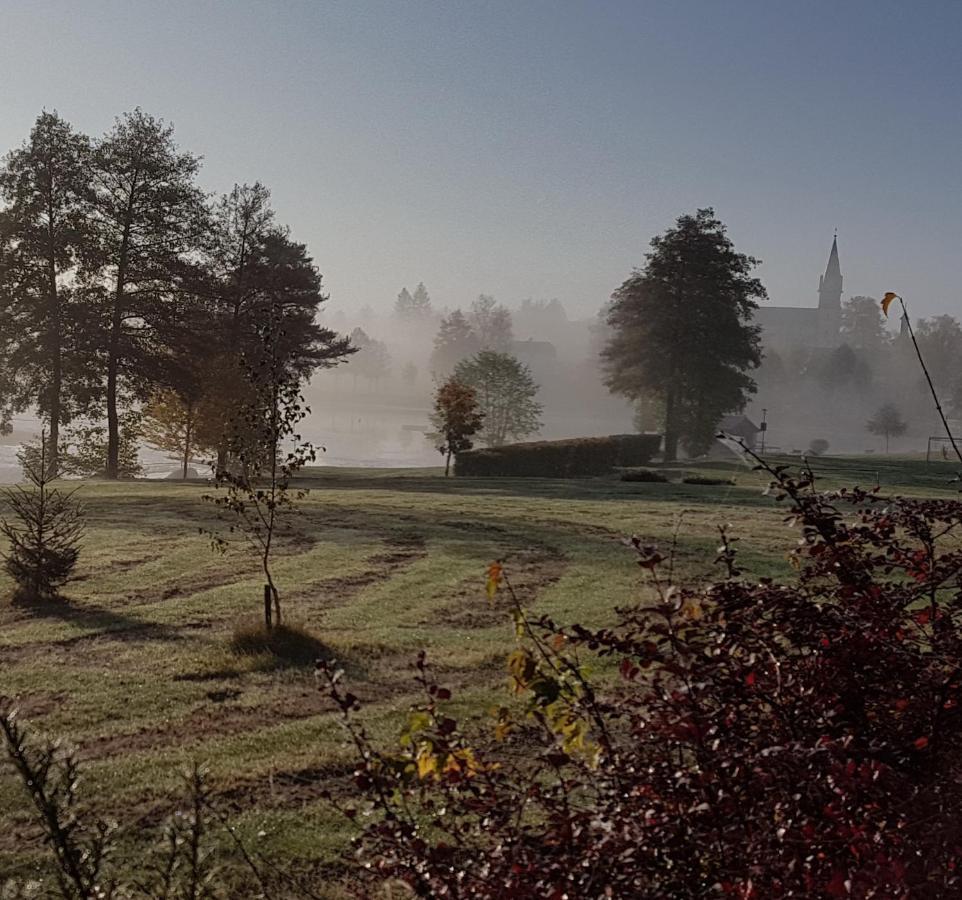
134 668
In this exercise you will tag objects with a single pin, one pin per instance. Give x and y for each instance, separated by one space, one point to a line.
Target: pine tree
45 531
148 214
420 303
454 341
46 187
404 304
681 330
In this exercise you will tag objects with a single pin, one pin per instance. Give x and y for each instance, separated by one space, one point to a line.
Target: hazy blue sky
533 148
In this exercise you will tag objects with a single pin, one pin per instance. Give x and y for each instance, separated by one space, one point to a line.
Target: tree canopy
682 332
506 395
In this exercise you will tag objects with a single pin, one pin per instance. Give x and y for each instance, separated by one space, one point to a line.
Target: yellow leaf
427 762
691 611
887 302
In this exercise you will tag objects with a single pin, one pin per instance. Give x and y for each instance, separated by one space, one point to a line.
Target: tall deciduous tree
506 395
45 187
682 330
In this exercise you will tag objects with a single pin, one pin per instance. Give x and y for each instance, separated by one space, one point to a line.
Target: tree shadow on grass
101 621
289 646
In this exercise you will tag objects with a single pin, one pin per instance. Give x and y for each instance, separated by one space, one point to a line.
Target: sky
532 149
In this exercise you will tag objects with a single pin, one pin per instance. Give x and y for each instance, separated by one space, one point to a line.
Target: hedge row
573 458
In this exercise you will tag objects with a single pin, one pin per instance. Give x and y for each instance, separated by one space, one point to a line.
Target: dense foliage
681 331
121 281
572 458
506 395
762 738
456 419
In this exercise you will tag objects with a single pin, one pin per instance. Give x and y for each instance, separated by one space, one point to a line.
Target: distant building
539 356
812 327
742 427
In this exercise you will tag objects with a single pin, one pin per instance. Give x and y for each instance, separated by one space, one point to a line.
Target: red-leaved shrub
760 740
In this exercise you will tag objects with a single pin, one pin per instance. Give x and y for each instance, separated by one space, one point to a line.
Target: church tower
830 301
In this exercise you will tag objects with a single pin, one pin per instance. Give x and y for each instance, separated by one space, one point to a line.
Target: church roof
833 270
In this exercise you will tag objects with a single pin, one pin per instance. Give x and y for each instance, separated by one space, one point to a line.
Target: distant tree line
873 372
128 293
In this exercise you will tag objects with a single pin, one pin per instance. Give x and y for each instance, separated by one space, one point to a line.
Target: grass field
135 671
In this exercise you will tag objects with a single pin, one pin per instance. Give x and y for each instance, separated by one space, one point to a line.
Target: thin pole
928 378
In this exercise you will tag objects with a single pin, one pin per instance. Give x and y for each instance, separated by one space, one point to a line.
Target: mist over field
480 450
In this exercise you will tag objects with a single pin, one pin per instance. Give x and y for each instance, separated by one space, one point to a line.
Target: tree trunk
268 624
55 335
671 431
56 373
187 438
447 464
113 366
113 419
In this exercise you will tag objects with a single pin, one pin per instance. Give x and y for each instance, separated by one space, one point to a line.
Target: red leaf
837 886
921 743
750 679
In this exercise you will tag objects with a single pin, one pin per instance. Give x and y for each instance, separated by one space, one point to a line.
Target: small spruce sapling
44 532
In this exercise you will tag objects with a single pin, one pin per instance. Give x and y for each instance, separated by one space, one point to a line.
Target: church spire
830 284
830 300
833 271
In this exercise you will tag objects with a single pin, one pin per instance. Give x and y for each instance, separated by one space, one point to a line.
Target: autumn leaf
495 575
427 762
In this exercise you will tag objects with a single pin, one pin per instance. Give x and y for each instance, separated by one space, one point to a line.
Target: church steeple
830 300
830 284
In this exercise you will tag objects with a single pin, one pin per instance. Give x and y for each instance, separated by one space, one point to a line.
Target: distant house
539 356
741 427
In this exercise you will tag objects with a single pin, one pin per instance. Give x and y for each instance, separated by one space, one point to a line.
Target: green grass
135 669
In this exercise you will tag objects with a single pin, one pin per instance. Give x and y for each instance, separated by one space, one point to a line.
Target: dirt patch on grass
216 719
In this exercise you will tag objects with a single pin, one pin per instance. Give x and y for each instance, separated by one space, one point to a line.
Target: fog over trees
130 294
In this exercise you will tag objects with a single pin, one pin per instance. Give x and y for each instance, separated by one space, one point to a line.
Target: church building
814 327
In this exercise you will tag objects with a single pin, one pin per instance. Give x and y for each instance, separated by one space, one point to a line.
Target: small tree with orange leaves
456 419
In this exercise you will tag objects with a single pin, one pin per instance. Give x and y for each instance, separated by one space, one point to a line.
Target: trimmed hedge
644 475
572 458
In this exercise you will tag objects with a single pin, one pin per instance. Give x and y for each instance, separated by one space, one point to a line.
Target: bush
818 446
797 739
646 475
706 480
573 458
